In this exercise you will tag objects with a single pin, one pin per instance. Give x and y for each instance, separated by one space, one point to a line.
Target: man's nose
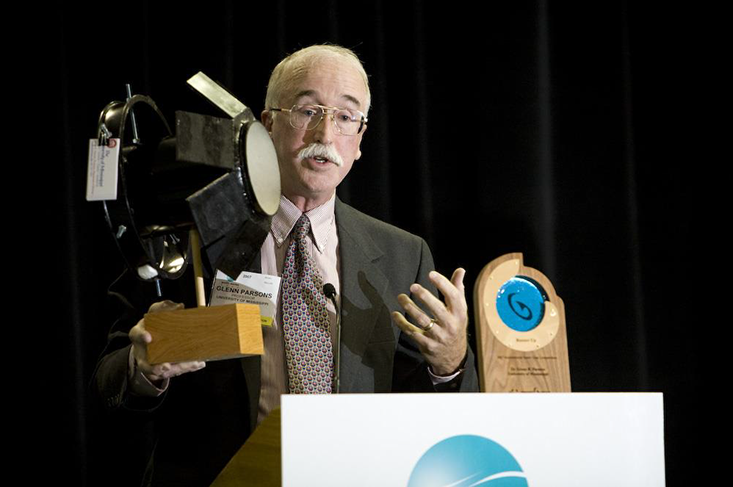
326 130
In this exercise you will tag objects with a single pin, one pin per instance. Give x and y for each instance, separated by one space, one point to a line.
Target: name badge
249 288
102 170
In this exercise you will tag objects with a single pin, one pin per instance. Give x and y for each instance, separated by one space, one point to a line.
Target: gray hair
305 58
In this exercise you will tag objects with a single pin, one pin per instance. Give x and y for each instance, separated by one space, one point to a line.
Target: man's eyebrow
352 100
313 94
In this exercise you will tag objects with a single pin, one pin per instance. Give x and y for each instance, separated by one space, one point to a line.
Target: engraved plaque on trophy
520 328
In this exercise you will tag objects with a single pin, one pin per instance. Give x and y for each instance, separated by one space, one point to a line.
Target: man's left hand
444 343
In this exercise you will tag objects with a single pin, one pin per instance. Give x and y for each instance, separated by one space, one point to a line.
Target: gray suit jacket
206 416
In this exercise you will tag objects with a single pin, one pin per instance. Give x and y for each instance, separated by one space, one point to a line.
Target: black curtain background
536 127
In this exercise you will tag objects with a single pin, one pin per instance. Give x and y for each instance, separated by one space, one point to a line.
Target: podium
424 440
259 461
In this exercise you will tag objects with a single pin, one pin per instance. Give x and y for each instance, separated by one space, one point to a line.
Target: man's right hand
158 373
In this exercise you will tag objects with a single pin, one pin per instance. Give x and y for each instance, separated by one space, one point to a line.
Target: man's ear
358 149
266 118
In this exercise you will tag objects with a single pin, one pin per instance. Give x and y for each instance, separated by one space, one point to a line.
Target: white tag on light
102 170
250 288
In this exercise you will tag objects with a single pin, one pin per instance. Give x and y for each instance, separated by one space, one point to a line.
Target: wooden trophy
520 328
218 177
204 333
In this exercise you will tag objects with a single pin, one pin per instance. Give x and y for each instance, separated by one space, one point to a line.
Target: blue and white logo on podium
467 461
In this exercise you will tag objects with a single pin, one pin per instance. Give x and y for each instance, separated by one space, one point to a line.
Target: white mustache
320 150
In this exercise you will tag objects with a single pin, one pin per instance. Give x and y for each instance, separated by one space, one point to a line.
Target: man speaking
192 416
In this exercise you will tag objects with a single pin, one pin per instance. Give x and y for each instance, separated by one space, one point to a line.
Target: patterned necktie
305 319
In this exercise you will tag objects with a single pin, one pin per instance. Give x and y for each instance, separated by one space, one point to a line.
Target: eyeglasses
347 121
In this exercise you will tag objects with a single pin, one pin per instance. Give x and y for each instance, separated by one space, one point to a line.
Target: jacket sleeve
126 298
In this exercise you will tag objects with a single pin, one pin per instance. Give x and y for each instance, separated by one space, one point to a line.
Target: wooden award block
204 333
520 329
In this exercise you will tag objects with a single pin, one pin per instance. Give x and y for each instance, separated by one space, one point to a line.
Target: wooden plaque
520 328
204 333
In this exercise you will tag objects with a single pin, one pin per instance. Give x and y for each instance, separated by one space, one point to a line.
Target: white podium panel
462 440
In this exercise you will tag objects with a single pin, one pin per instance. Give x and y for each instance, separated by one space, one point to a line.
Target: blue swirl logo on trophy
467 460
520 303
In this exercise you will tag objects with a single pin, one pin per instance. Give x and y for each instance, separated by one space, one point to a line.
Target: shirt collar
322 219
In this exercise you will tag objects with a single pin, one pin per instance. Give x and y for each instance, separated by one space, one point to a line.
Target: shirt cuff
139 384
440 379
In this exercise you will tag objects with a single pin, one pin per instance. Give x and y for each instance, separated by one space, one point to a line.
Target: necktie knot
301 228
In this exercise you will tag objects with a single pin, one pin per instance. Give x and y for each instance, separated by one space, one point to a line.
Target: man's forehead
314 95
338 80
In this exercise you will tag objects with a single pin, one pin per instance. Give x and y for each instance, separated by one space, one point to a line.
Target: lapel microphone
330 292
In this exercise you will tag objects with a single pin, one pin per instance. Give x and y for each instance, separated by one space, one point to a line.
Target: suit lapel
363 285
